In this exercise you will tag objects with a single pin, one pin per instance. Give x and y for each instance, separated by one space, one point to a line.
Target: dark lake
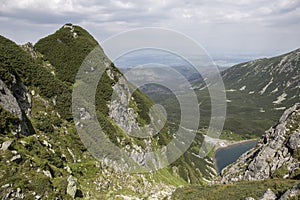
228 155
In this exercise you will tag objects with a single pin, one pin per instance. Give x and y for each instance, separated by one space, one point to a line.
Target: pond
226 156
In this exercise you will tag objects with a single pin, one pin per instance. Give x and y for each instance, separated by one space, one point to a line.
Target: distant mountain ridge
259 91
276 77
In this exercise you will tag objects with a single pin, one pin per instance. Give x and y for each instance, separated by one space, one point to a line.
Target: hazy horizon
230 31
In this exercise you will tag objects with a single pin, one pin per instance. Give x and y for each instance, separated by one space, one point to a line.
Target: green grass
239 190
8 121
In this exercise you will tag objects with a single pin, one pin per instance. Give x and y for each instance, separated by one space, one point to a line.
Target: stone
72 188
6 145
19 194
268 195
249 198
84 114
294 141
6 186
68 169
47 173
16 159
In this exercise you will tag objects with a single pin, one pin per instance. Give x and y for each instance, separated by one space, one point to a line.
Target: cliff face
17 101
275 155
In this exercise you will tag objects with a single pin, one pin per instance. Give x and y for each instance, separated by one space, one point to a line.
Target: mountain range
42 155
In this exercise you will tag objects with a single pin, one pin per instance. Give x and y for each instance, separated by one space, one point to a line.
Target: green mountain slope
257 93
46 158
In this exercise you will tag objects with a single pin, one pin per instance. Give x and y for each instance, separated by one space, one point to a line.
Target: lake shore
220 144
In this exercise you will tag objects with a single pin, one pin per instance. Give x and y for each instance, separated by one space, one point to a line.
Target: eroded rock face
273 151
124 116
18 102
8 101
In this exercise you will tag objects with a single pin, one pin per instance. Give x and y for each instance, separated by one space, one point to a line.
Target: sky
231 31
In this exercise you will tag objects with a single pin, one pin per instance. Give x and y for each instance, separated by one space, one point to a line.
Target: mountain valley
42 156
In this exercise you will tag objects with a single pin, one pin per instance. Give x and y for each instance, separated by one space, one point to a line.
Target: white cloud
222 26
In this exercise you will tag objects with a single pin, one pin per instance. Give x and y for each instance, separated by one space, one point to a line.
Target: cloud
220 25
148 12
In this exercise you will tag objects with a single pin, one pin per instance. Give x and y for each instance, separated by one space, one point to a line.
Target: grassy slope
234 191
51 75
61 61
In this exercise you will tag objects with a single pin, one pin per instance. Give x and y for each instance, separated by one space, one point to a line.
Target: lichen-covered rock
273 151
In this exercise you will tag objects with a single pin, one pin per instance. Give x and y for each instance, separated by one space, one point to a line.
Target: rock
294 141
71 188
273 151
16 159
249 198
6 186
287 113
84 114
47 173
268 195
14 152
72 154
30 49
8 195
19 194
17 102
68 169
294 192
47 144
6 145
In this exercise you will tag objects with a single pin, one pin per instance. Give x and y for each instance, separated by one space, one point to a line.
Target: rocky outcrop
270 195
123 115
18 102
30 49
71 188
293 192
274 151
8 101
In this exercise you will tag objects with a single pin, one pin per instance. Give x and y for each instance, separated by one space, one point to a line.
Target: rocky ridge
275 155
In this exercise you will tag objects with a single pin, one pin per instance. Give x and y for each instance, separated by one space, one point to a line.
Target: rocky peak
30 49
276 153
